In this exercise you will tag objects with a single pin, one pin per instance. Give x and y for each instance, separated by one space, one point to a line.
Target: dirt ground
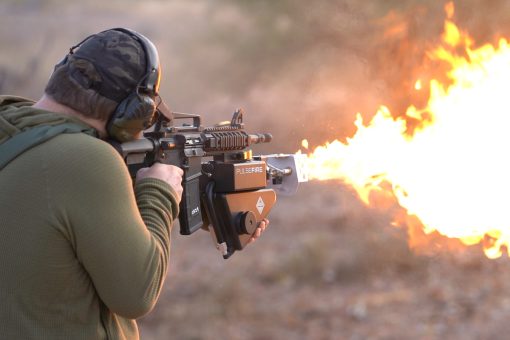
341 273
328 267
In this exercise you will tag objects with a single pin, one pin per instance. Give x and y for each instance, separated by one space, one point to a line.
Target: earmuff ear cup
133 115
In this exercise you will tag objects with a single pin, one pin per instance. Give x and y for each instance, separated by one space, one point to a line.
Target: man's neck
48 104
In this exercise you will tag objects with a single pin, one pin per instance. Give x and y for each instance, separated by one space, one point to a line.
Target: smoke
299 71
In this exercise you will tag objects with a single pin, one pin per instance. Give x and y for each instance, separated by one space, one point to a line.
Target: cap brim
164 110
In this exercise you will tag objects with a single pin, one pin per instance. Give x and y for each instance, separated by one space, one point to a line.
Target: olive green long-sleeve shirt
81 254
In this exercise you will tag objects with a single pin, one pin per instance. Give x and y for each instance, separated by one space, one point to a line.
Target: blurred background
328 267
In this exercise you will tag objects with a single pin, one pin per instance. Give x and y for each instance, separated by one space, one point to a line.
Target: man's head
111 76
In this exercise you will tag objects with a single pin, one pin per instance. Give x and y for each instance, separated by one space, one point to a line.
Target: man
82 252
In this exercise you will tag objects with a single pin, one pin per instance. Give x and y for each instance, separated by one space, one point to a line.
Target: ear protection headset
136 112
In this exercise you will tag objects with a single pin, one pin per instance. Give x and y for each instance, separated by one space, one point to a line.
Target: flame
449 8
451 172
418 85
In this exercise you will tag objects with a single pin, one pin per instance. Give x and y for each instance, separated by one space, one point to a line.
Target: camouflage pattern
119 60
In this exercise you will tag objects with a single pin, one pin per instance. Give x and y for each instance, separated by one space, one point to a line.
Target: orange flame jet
451 172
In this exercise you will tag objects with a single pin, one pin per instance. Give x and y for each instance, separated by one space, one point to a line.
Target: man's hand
165 172
262 226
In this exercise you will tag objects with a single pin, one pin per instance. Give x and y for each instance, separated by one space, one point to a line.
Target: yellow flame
418 85
304 143
451 34
452 172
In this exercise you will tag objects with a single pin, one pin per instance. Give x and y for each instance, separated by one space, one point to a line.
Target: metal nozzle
261 138
275 172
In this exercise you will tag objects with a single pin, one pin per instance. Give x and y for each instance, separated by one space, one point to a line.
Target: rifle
224 185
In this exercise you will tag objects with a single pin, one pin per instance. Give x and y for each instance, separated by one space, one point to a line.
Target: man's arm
121 240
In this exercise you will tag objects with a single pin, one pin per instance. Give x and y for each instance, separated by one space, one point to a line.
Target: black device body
223 186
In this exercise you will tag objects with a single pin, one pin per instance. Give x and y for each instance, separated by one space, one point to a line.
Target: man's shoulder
82 148
80 142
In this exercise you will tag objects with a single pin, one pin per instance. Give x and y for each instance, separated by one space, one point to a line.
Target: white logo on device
260 205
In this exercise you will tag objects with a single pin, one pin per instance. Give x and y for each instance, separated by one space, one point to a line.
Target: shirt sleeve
120 236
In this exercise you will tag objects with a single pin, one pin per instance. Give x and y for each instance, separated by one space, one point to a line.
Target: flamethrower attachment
226 190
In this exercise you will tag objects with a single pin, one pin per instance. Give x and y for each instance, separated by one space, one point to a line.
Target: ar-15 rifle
224 184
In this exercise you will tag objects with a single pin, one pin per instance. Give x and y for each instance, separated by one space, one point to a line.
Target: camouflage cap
118 59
